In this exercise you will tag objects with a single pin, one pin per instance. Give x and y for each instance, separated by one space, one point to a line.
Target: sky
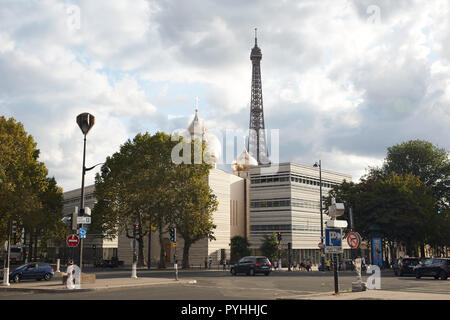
342 80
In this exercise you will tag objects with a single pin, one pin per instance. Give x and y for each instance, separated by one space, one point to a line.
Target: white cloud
331 79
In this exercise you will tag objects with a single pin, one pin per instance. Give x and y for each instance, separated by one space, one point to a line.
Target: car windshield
262 260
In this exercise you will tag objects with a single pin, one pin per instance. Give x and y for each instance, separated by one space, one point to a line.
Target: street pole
133 267
336 283
322 258
6 270
81 212
175 263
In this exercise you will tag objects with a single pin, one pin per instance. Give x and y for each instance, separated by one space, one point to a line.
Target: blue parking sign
82 231
333 240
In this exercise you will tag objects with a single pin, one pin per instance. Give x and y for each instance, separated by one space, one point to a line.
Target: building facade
288 202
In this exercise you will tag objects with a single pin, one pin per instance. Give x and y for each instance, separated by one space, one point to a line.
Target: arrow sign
84 220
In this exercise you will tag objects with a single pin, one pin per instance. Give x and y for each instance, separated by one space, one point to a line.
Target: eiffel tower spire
257 145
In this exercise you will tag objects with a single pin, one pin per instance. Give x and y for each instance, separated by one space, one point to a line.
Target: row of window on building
297 179
285 203
284 227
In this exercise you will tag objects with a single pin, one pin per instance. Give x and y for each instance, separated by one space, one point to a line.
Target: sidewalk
56 286
372 295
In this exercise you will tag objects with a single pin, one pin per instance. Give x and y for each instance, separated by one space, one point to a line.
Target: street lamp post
322 259
85 122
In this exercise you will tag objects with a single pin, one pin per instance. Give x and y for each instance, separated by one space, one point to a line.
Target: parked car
405 266
252 265
34 270
434 267
107 263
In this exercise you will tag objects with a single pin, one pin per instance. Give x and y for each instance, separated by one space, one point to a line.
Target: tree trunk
187 246
162 258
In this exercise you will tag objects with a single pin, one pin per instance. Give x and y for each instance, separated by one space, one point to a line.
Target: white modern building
287 201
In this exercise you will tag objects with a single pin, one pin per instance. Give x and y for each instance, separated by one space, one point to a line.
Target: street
220 285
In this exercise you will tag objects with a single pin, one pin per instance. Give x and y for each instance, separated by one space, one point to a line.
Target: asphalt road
218 285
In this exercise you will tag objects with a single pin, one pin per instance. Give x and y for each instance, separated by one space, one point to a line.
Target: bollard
6 276
133 271
57 265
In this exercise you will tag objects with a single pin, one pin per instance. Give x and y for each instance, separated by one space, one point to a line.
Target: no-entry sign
353 240
72 240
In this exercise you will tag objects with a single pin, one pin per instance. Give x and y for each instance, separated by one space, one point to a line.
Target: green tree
239 248
27 195
146 187
269 247
193 201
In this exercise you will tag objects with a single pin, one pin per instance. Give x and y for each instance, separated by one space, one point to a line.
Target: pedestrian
275 264
210 262
309 264
328 264
206 263
302 265
295 265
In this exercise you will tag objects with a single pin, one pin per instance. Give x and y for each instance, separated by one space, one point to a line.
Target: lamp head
85 122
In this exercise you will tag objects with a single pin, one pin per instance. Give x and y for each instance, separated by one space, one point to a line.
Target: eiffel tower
257 144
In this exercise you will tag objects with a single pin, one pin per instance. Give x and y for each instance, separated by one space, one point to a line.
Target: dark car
435 267
406 266
34 270
113 263
252 265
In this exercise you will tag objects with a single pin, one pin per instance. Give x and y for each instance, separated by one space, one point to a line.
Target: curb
40 290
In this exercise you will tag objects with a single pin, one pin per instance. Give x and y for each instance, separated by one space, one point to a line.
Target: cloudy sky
342 80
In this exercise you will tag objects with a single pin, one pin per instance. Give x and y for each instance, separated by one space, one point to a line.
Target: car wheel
267 273
396 272
233 272
16 278
418 275
47 276
251 272
443 275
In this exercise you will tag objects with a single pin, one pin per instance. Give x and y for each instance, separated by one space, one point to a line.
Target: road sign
84 220
83 236
72 240
82 231
353 240
333 240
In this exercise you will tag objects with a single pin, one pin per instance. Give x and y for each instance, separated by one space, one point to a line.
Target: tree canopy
146 187
27 195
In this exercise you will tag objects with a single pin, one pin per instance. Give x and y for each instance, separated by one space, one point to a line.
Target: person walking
206 263
328 264
210 262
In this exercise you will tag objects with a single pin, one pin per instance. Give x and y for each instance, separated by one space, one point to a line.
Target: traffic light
13 227
173 234
137 227
438 211
279 236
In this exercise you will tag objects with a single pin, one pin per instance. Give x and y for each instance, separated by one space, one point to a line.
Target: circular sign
72 240
353 240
